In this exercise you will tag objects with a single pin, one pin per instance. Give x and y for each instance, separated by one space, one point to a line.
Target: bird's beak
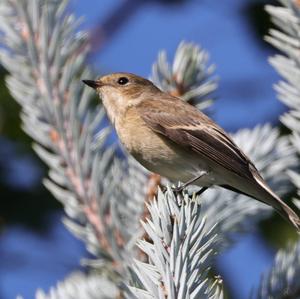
92 83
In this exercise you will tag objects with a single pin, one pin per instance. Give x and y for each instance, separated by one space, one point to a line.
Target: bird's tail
289 215
269 197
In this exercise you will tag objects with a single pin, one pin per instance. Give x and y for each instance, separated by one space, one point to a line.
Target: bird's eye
123 81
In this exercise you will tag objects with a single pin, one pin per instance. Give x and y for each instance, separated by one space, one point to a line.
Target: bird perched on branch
174 139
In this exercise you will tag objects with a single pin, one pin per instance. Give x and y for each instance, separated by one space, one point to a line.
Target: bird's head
118 91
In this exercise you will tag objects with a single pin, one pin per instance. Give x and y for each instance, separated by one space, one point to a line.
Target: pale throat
113 105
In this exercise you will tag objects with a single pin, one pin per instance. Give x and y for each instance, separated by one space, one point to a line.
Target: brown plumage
172 138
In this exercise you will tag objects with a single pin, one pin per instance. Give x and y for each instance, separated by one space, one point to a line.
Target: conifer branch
81 286
180 249
286 38
46 60
282 281
190 77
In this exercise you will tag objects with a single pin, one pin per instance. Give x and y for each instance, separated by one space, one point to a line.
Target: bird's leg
201 191
192 180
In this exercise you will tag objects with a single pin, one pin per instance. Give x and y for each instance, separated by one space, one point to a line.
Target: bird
174 139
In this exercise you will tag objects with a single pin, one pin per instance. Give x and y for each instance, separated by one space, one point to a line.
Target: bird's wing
186 126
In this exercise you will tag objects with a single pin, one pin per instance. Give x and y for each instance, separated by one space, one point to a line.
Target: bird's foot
199 192
175 190
178 189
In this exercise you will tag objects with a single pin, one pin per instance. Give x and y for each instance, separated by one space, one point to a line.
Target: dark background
35 248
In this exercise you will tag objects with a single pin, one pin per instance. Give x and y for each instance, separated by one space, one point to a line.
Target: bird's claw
178 190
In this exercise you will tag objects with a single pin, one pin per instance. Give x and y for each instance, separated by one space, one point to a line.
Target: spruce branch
81 286
46 57
286 38
190 77
282 281
180 249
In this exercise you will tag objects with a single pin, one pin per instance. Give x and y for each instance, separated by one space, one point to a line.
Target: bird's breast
141 142
156 152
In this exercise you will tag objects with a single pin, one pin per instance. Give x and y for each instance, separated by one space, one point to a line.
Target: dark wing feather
186 126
